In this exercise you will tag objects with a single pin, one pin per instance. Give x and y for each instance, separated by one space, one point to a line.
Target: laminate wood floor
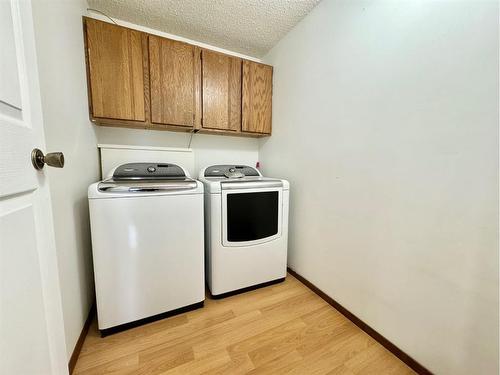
279 329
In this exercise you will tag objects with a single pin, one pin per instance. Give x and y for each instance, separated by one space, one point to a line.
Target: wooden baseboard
413 364
81 339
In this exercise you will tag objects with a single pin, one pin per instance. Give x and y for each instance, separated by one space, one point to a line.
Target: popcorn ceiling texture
251 27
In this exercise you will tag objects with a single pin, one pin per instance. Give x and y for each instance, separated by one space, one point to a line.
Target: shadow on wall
82 230
158 138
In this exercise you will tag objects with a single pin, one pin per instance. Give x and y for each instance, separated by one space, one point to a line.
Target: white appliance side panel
148 256
115 155
284 229
208 236
233 268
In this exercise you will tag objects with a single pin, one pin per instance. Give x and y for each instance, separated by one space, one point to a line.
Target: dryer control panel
231 170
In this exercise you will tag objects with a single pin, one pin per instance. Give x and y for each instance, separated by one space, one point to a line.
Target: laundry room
249 187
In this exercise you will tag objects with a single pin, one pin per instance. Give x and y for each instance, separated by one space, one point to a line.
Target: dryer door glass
252 216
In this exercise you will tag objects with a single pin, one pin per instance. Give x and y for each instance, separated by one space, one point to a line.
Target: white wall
208 149
59 39
385 121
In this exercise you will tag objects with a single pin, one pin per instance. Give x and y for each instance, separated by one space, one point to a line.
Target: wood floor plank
121 366
275 316
95 342
266 346
324 358
211 339
281 329
202 365
159 361
341 370
239 365
195 332
375 360
276 365
321 323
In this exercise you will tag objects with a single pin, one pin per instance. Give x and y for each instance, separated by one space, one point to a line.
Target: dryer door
251 216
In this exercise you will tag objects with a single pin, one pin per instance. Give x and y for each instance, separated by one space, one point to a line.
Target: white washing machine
147 243
246 228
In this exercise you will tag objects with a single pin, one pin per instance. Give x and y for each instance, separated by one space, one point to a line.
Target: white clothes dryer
246 228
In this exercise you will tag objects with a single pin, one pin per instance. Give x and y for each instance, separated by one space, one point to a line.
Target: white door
31 323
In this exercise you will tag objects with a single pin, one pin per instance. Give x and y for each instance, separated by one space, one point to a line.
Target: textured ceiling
251 27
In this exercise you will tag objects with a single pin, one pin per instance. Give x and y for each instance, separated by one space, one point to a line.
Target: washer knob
234 174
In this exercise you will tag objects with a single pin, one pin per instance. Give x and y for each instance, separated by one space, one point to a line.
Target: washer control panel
145 171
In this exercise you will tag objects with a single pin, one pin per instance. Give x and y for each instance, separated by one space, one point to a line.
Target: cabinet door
174 77
257 97
116 72
221 91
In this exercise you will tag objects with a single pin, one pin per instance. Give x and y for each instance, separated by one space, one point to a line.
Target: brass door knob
52 159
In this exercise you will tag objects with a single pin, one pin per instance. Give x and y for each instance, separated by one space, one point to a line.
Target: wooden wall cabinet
257 91
221 91
174 69
116 71
146 81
